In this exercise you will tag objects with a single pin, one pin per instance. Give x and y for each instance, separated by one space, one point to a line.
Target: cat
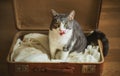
93 37
65 35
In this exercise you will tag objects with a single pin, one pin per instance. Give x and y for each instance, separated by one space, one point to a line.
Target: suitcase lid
36 14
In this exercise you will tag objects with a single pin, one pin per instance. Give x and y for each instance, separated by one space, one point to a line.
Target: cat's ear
71 15
54 13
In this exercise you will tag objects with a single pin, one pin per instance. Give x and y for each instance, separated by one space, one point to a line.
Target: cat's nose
60 30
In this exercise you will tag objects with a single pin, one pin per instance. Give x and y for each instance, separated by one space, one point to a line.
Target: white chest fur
58 41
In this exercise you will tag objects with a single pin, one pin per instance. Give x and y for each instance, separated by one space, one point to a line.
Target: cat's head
62 22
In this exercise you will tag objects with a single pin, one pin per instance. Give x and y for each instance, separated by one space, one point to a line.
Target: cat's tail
94 36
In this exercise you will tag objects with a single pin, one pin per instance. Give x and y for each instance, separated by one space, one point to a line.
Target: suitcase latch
88 68
21 68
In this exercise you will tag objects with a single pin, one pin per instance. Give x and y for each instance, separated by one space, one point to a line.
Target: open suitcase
34 16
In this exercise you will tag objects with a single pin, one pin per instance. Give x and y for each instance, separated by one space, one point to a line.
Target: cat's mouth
62 32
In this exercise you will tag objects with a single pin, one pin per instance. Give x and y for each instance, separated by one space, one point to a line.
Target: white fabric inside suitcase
34 47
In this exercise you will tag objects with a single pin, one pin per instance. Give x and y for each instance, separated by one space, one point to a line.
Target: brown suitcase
34 16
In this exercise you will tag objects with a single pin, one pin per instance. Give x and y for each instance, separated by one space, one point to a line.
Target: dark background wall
7 31
109 24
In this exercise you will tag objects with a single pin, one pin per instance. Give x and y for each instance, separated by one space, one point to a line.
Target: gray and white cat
65 35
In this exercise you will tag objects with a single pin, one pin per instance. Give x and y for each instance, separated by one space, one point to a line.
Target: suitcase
34 16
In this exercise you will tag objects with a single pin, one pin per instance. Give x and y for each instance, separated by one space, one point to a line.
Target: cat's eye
56 25
66 24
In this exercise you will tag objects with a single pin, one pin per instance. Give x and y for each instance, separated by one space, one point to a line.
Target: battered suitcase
34 16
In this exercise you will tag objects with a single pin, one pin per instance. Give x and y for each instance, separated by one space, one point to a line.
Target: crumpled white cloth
35 48
29 54
91 54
